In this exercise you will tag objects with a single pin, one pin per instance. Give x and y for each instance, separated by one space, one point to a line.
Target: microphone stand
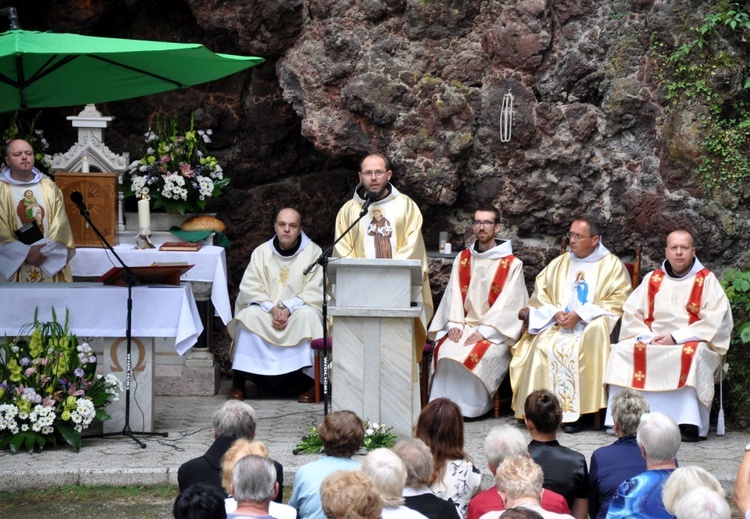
130 280
323 262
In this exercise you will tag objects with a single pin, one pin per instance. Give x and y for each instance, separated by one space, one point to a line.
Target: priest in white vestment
28 197
576 302
676 328
392 216
477 320
278 309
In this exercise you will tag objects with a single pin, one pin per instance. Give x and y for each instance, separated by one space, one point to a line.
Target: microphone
370 199
77 198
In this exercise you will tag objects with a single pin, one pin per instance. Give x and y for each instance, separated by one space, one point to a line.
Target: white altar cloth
210 266
97 310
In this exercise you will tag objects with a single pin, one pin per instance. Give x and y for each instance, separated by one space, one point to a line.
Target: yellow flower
35 345
24 405
65 415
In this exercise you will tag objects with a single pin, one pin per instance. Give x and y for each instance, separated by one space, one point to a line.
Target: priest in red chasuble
675 331
477 320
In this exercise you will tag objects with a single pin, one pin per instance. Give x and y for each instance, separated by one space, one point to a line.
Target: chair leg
318 396
598 420
424 379
496 404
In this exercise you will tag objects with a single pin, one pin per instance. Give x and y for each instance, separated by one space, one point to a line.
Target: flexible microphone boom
77 198
368 201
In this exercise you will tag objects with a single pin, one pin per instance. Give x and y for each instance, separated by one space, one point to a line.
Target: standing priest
278 309
675 330
477 320
393 229
32 203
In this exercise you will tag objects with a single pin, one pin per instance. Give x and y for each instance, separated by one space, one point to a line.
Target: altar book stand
374 371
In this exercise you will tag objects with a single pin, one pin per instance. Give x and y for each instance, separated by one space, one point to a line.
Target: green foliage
376 436
736 402
689 73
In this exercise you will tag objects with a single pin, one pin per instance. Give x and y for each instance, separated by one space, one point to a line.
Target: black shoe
573 427
689 434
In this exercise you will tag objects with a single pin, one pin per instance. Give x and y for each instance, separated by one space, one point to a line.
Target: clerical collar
5 176
289 252
595 256
497 242
363 196
696 267
501 249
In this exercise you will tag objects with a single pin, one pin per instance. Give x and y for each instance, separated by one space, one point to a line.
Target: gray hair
254 479
702 503
417 459
685 479
520 477
627 407
503 441
659 436
388 473
234 419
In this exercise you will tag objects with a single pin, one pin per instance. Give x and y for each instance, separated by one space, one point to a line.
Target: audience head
234 419
519 477
254 480
543 410
685 479
503 441
342 433
388 474
417 459
240 448
520 513
658 437
350 495
627 407
200 501
702 503
441 426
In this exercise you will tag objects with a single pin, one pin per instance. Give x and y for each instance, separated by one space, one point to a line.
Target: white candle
85 164
144 214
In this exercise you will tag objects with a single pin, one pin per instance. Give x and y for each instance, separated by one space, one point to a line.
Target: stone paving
281 423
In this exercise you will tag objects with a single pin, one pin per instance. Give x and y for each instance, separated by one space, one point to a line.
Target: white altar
98 314
196 372
374 368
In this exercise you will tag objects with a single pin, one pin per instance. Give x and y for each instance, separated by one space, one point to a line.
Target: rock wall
424 82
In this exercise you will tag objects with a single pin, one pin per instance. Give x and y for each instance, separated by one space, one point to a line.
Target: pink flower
29 372
48 401
165 159
186 170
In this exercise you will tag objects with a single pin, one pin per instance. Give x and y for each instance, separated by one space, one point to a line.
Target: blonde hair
519 476
240 448
350 495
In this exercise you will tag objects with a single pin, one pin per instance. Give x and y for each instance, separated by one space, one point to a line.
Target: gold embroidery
283 276
639 376
688 349
640 346
699 281
693 308
656 277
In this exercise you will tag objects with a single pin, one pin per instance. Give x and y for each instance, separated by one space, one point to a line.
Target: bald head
288 227
680 252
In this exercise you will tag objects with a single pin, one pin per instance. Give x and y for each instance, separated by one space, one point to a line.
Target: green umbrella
45 69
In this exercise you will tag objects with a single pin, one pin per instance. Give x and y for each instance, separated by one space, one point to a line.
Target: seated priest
278 309
36 242
576 302
675 331
477 320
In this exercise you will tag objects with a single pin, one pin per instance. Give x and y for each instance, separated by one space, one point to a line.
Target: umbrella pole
130 280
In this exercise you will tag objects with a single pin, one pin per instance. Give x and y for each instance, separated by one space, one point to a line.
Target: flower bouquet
376 436
175 172
49 388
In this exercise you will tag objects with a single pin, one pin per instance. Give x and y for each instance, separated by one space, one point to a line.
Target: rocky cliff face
424 82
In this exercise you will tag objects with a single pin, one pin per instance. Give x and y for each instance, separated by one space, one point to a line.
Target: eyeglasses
371 174
482 223
576 236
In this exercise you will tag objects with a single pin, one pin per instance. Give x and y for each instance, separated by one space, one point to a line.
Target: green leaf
744 332
71 436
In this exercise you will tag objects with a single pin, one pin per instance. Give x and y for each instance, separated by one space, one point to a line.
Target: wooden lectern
374 371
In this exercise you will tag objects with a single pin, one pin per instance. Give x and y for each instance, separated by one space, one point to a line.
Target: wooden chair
634 269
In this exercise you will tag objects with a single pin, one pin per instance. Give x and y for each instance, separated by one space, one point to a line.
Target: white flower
24 427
